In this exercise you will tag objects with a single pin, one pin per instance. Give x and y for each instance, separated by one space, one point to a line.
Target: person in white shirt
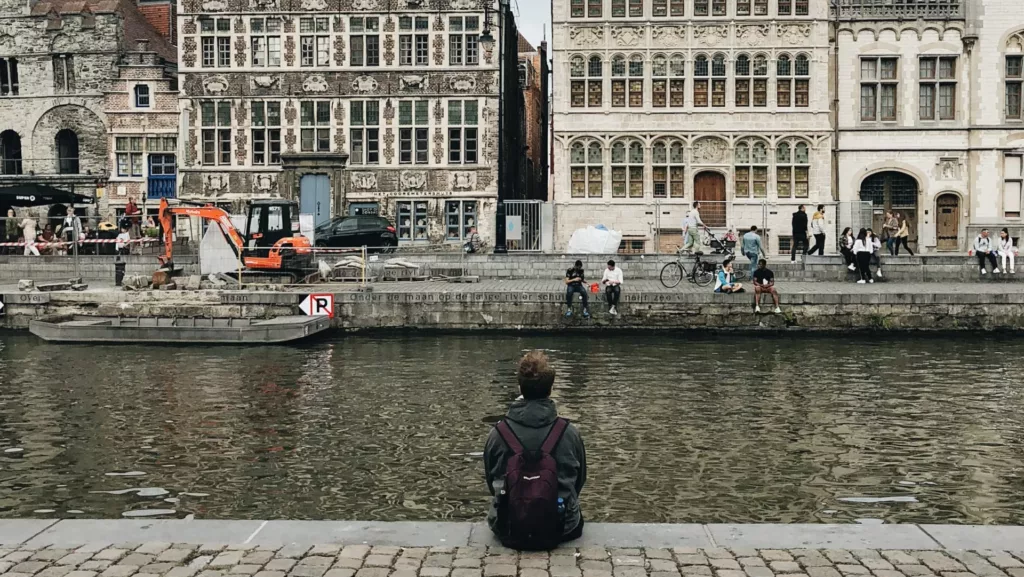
71 230
876 256
984 250
122 241
691 228
612 281
1007 250
28 232
863 247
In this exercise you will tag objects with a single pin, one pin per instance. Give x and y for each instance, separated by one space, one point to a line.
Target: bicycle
701 274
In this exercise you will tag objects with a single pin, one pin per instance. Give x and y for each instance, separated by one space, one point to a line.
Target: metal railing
523 225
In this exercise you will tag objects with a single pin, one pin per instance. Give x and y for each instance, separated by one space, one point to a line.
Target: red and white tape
83 241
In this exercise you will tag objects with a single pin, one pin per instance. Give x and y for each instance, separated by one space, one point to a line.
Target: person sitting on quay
612 281
846 248
535 464
473 242
574 281
876 251
764 283
752 248
1007 251
983 250
725 283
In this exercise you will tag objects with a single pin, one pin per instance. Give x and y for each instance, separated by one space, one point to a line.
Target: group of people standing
861 252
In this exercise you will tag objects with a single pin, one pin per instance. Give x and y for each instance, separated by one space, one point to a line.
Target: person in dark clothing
574 283
799 232
531 417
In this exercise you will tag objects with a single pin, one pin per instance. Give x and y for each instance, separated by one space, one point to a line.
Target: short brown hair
535 376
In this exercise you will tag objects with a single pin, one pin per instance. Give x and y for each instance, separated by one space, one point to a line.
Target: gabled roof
134 24
524 44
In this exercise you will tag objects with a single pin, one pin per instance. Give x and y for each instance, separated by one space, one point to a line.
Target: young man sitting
612 281
764 283
535 501
574 283
725 284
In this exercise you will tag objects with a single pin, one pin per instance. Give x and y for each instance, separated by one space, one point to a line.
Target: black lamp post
487 41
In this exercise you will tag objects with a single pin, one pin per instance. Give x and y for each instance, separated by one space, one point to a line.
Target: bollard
119 267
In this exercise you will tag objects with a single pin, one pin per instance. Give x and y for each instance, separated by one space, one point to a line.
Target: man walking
612 281
691 228
574 280
818 230
799 232
751 248
890 229
983 250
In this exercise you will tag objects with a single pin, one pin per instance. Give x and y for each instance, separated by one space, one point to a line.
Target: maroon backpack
529 514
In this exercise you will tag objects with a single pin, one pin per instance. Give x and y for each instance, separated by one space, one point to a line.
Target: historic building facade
662 102
275 94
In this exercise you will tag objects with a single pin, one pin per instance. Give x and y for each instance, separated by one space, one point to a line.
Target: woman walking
846 248
862 248
1007 250
903 235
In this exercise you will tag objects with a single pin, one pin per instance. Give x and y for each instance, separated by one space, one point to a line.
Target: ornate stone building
930 121
275 93
662 102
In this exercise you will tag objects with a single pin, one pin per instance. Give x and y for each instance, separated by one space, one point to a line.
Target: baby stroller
719 246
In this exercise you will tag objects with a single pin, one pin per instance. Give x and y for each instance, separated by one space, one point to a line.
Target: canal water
710 429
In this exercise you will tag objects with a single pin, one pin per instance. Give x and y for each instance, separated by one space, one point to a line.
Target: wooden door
709 190
947 222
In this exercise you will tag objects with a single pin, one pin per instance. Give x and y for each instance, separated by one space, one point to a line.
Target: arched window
627 169
10 152
784 81
141 96
758 84
718 81
66 143
802 86
760 80
751 169
677 82
668 169
578 86
595 81
619 81
742 82
700 81
636 81
667 84
8 77
1013 76
587 169
792 169
659 81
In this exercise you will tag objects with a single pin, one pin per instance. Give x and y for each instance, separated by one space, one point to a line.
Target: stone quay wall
90 267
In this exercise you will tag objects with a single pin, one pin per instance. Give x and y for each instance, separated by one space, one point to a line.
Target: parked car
374 232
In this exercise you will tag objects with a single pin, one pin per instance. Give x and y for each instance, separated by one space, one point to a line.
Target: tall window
266 133
1013 184
673 8
64 73
10 152
742 80
792 169
751 169
463 40
700 7
636 81
462 132
315 119
786 7
669 172
793 81
752 81
161 151
128 151
937 88
215 117
460 216
701 71
587 168
760 7
215 42
619 81
414 48
593 8
364 148
586 81
1014 86
266 42
8 77
636 8
364 40
412 131
879 83
314 41
627 169
412 220
141 96
659 81
719 7
718 81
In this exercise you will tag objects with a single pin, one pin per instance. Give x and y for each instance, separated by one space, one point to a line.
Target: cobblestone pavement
177 560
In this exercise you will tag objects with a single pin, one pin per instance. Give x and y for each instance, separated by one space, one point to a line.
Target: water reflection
736 429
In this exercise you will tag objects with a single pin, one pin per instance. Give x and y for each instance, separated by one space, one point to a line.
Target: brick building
533 80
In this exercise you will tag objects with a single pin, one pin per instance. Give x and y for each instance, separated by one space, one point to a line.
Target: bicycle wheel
671 274
739 275
702 277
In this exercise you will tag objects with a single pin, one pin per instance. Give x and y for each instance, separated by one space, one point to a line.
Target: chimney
142 45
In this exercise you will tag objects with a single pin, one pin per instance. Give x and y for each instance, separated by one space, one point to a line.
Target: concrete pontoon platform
88 329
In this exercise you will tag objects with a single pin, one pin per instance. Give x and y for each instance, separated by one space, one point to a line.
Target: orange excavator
270 244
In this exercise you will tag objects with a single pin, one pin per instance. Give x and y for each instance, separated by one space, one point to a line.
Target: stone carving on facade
193 144
240 153
438 112
710 35
189 27
627 35
314 83
365 84
464 5
214 5
289 139
413 179
587 36
389 24
413 81
949 168
339 49
710 150
752 35
240 57
389 145
438 50
188 52
794 33
438 24
239 25
668 35
462 83
289 50
266 81
364 180
364 5
215 184
438 145
339 140
264 184
313 5
389 49
289 112
462 180
265 5
215 84
389 111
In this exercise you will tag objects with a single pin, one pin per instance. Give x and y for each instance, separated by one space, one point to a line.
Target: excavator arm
207 212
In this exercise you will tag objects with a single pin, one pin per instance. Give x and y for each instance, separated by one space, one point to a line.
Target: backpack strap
554 435
509 436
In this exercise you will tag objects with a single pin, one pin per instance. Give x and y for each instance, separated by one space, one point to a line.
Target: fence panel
526 237
856 214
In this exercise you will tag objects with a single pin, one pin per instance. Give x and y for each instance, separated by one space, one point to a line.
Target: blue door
162 177
315 197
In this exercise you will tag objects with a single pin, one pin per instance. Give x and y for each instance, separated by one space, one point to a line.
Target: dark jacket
531 421
800 224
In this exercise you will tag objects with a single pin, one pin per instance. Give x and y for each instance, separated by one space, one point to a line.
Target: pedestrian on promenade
890 229
1007 250
574 281
535 503
11 231
846 248
764 283
752 248
612 281
123 241
983 250
48 240
799 232
862 249
818 230
473 241
725 283
691 228
876 251
28 231
903 235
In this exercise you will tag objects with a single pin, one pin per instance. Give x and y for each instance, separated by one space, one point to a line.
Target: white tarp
593 240
215 254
